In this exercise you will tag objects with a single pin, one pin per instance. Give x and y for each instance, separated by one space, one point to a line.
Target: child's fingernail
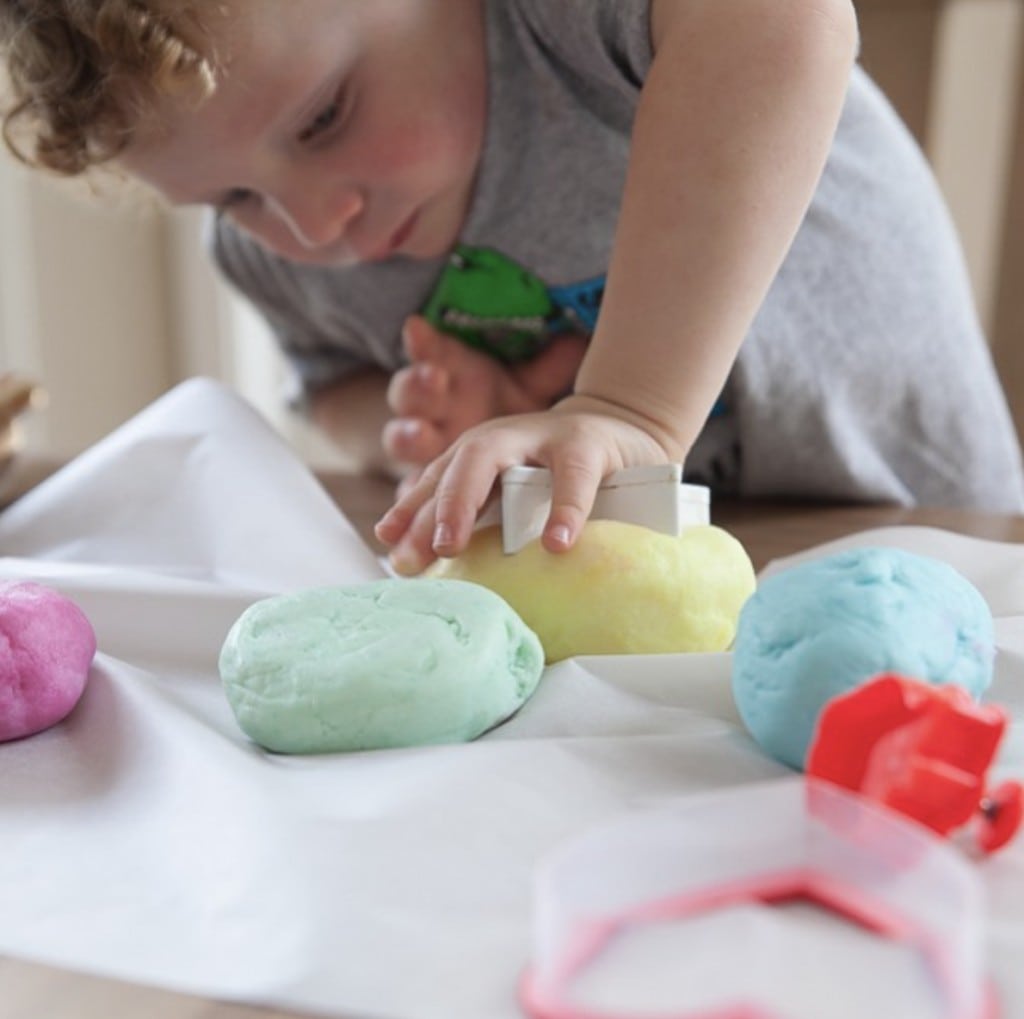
442 535
559 534
406 563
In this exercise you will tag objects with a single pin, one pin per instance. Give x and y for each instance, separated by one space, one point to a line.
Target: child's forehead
271 54
264 33
268 28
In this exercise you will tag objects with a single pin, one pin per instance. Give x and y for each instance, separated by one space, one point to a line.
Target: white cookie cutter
608 906
653 497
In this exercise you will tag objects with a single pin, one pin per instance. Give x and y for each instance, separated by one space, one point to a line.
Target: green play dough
391 663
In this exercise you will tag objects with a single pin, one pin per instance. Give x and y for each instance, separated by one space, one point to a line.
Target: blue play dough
823 627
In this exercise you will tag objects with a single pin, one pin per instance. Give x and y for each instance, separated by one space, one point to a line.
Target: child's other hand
448 387
581 440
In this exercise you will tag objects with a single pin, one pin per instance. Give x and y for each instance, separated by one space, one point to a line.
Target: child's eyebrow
316 100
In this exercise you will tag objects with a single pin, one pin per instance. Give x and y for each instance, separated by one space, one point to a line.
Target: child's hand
449 387
581 440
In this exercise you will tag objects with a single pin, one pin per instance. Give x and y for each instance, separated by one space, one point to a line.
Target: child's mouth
395 242
402 234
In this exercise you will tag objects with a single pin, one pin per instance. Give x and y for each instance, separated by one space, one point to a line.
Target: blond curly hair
83 74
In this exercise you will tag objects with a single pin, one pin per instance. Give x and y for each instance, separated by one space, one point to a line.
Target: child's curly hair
84 73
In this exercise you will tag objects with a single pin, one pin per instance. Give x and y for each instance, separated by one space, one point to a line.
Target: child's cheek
447 142
413 157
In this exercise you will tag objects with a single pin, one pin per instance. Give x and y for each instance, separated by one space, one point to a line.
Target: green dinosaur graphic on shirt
493 304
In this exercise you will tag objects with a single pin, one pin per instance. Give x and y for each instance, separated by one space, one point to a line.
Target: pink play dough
46 647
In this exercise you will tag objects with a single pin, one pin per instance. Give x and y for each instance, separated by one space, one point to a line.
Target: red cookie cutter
922 750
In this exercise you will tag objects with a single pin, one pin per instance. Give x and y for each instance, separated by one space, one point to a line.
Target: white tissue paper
146 838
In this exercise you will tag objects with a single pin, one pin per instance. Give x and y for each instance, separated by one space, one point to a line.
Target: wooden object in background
899 44
1008 327
898 49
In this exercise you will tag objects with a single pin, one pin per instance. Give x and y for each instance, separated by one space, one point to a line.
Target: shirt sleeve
609 40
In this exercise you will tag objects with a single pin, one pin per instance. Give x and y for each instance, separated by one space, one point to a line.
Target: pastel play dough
825 626
390 663
46 647
621 589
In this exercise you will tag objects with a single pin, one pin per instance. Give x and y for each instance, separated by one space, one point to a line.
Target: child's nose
316 220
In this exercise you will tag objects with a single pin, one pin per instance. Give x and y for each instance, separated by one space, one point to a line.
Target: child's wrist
666 436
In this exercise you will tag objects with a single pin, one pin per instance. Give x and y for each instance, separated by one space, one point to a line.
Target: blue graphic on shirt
579 303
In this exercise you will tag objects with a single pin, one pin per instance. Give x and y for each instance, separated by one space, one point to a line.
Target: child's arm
732 131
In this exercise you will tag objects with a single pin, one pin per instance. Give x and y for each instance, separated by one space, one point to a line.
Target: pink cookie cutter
734 854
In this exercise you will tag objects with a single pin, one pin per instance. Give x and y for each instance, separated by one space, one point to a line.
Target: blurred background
107 300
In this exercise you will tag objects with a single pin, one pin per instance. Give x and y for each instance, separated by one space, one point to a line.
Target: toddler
585 234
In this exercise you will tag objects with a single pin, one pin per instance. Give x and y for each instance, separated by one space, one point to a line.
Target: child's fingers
412 440
437 516
394 524
413 554
463 491
443 521
419 390
576 474
407 482
422 342
426 345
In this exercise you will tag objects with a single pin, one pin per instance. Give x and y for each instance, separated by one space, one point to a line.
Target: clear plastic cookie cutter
787 900
654 497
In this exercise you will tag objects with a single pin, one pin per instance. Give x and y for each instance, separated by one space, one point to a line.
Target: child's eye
324 121
236 196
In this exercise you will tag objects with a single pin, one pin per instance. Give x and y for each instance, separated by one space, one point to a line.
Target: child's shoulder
583 33
563 23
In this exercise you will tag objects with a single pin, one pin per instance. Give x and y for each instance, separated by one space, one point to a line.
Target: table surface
767 530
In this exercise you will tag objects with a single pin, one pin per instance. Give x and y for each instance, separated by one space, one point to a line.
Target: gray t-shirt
864 375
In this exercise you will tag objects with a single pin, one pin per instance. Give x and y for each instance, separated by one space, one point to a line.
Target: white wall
83 307
107 301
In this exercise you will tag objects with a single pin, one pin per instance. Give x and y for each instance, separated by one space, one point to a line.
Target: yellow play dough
621 589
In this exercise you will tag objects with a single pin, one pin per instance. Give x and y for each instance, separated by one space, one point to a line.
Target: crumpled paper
146 838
